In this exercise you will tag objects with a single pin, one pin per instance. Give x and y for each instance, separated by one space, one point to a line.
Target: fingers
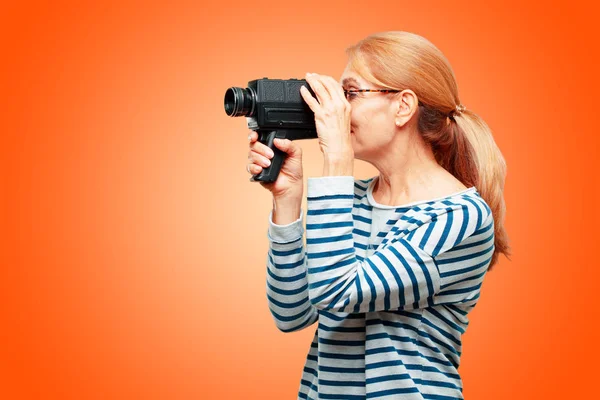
259 155
324 85
259 147
334 88
259 159
309 99
254 169
317 86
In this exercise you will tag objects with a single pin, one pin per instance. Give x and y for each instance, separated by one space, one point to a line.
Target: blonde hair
462 144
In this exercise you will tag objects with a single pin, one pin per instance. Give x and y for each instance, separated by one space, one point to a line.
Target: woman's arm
415 269
287 286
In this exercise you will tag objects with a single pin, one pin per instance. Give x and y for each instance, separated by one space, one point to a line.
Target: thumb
287 146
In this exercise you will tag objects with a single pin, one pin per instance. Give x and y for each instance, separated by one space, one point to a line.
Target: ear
406 105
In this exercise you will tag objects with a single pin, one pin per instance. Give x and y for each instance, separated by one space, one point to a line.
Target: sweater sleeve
287 287
412 270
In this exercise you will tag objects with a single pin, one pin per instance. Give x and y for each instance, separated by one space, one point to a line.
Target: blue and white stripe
389 323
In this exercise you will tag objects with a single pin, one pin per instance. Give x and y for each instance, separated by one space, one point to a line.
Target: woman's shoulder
462 206
448 197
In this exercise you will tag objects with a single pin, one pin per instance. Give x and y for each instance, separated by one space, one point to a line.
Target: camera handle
266 137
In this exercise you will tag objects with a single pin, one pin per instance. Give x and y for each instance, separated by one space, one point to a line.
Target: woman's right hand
289 182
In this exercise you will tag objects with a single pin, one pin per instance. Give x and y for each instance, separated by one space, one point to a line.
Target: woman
393 264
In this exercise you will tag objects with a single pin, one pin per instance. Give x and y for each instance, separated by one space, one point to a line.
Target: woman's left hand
332 115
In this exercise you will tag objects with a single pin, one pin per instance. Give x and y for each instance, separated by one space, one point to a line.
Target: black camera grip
271 173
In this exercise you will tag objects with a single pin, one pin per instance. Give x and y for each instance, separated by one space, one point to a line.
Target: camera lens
239 102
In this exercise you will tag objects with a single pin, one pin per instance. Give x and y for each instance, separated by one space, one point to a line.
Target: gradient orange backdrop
134 247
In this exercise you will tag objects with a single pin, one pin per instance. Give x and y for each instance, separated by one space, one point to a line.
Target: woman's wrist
286 209
339 164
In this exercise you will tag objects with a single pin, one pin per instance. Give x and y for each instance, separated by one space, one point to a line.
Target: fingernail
270 152
249 137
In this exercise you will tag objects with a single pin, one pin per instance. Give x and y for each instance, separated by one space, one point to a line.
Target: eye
350 95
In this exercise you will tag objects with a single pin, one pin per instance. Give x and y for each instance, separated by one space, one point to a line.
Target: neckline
414 203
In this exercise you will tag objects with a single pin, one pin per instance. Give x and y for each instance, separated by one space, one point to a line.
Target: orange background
134 247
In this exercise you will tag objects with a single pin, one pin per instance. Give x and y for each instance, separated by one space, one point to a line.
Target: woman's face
373 116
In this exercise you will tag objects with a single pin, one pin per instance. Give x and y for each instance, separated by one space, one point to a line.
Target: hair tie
458 110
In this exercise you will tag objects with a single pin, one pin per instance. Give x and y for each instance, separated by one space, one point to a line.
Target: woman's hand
289 183
332 115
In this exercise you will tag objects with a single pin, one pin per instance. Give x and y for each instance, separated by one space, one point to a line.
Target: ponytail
466 148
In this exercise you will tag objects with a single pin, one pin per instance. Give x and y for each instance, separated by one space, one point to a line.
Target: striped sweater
390 320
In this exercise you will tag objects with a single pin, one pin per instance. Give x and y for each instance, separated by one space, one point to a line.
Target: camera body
274 108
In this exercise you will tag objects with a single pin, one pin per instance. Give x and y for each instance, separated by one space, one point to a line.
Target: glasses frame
372 90
369 90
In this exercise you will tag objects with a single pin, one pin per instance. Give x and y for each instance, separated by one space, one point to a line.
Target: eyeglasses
352 92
